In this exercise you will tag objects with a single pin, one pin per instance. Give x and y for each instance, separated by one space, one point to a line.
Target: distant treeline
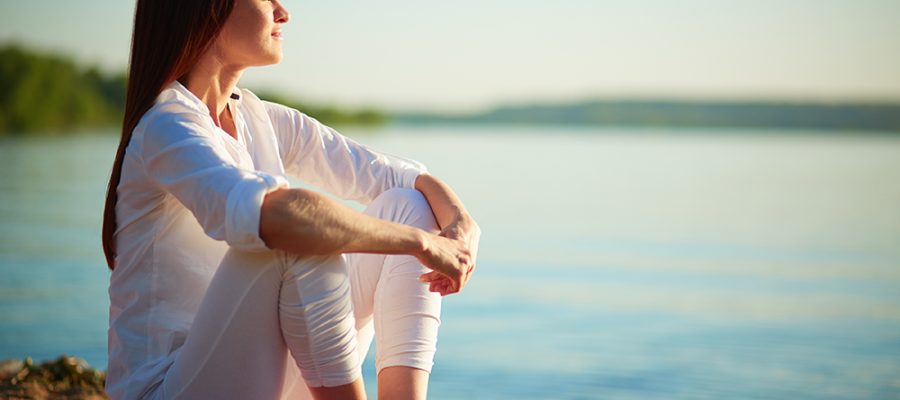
45 93
329 115
679 113
41 93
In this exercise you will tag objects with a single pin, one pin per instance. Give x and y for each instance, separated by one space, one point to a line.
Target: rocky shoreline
63 378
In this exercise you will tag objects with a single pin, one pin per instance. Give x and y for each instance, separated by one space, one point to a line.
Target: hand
449 258
469 232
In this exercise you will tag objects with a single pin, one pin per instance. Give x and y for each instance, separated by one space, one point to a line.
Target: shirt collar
176 89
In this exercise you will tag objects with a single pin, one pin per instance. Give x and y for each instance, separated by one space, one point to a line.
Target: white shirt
189 190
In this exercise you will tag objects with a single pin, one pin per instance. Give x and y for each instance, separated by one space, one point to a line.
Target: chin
269 59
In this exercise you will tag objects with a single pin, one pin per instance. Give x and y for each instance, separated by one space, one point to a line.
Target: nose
281 14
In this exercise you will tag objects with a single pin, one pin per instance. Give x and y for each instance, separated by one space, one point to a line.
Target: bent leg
252 315
393 305
234 348
318 325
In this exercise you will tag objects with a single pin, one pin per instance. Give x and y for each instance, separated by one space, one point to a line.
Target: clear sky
470 54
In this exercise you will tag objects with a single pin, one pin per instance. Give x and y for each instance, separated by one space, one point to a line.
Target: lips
277 35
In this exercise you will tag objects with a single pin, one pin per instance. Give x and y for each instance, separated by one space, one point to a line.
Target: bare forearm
456 224
304 222
445 204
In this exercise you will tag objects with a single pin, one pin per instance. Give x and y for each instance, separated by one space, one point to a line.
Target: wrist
465 217
465 222
419 242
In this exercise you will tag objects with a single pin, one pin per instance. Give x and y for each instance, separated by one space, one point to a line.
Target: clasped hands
451 254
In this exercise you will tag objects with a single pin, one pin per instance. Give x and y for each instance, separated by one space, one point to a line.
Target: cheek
245 37
245 25
229 44
237 42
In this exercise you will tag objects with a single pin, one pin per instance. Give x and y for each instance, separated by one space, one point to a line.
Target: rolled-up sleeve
319 155
185 161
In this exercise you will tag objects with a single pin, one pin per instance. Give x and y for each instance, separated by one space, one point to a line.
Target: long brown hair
169 38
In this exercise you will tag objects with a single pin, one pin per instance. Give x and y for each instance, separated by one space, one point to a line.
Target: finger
440 287
446 287
467 273
455 285
437 284
431 276
445 290
442 282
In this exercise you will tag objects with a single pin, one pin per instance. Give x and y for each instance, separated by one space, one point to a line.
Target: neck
213 82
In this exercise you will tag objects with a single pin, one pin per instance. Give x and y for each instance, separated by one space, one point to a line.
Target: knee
406 206
321 269
397 196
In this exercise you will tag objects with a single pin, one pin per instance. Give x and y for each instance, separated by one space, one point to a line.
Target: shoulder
170 120
273 109
172 108
283 118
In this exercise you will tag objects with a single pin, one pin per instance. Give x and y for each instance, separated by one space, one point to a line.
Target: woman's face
251 35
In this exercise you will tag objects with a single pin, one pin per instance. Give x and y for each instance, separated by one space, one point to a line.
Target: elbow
272 214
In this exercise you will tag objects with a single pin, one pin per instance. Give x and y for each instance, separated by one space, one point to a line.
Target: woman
202 162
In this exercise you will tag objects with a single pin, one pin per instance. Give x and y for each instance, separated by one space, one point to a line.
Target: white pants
270 317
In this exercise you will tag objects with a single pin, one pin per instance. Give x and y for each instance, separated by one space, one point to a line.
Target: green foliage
46 93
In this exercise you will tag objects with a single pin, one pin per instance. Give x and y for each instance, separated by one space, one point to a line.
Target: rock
63 378
11 366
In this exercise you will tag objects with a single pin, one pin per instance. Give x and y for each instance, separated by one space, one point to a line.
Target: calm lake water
627 264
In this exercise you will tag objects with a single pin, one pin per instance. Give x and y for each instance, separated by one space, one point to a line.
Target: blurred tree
46 93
